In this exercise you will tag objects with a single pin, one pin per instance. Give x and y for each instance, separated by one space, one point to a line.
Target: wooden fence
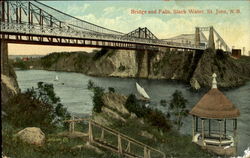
115 141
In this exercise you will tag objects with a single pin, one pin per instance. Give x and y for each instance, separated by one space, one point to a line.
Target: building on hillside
236 53
25 59
215 122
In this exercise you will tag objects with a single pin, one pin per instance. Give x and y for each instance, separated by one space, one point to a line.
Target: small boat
56 79
142 92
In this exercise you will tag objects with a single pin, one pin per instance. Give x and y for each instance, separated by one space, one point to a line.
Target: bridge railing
25 28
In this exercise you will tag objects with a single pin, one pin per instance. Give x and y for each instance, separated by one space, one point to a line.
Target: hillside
194 68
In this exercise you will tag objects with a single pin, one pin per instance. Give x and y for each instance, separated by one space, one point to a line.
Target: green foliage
48 60
111 89
158 119
221 55
177 108
21 64
154 116
54 147
38 107
132 104
163 103
97 99
91 85
100 53
121 68
81 59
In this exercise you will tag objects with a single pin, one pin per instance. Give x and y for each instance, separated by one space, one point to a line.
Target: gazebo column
209 127
193 126
202 131
220 131
225 128
197 124
235 131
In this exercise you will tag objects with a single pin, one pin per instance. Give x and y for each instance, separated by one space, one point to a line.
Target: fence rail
122 144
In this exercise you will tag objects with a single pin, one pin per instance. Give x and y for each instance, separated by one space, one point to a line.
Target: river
72 89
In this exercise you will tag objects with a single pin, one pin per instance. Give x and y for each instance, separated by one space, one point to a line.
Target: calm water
77 98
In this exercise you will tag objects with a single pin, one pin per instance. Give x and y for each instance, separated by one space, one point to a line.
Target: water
77 98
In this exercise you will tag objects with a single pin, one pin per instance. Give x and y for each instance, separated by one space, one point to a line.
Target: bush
36 107
91 84
158 119
154 116
133 105
163 103
97 99
100 53
221 55
177 108
21 64
121 68
111 90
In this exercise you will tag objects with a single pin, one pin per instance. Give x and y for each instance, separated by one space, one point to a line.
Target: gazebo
215 122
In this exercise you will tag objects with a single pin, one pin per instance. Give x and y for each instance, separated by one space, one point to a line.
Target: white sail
142 91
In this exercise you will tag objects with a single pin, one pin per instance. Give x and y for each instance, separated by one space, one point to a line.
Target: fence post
90 132
102 135
128 147
119 144
149 154
73 125
70 127
145 152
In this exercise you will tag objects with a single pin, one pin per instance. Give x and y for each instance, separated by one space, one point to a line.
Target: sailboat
142 92
56 79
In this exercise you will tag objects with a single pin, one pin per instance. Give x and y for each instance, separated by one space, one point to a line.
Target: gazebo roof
214 104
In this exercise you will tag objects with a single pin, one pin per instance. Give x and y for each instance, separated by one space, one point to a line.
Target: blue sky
234 28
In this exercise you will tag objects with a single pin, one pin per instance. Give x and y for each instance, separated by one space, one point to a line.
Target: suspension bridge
32 22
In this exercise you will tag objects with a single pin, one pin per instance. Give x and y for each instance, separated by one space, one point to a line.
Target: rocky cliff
193 67
9 85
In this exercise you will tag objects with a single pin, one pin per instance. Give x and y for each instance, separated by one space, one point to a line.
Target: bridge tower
197 36
211 38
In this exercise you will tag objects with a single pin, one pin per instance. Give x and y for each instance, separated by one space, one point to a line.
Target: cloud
76 9
108 10
234 29
235 35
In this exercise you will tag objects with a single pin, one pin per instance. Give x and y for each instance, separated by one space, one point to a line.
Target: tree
97 99
177 108
163 103
111 90
37 107
91 84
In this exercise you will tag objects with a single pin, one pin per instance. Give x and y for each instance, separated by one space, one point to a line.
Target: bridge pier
197 37
143 66
4 57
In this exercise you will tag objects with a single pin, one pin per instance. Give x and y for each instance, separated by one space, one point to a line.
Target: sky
116 15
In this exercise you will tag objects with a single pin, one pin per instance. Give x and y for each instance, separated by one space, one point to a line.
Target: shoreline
175 81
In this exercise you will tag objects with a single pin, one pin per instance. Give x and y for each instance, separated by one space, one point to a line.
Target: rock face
115 101
9 85
121 63
193 67
32 135
230 72
113 109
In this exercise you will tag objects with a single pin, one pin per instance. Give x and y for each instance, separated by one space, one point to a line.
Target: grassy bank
28 110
